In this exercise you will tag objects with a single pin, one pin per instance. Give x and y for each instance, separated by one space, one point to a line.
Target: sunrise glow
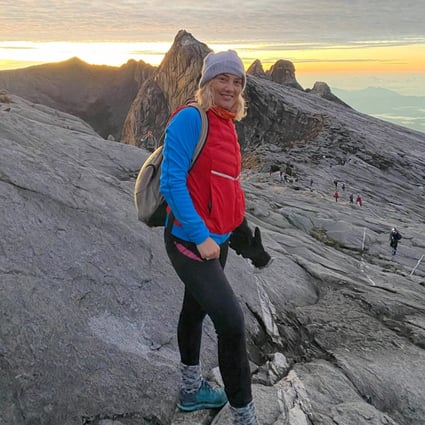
365 58
22 54
399 67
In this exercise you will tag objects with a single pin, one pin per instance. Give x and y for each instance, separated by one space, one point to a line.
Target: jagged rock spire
173 83
256 69
283 72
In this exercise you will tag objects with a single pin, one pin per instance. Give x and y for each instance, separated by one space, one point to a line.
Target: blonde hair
204 97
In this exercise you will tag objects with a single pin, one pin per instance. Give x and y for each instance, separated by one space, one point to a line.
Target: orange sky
369 59
409 58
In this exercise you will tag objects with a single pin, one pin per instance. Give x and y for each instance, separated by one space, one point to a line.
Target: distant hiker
343 186
351 198
336 196
197 240
359 201
394 238
281 176
336 184
311 185
289 170
148 142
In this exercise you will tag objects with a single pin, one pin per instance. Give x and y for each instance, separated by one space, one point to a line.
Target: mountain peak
75 60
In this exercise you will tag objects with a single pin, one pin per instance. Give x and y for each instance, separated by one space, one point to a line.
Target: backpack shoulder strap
204 129
203 135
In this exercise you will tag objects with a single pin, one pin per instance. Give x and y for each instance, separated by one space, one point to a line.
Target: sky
350 44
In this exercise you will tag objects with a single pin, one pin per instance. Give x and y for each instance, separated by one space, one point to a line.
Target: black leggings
207 291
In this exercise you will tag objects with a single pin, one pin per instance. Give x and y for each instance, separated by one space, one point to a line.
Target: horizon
403 83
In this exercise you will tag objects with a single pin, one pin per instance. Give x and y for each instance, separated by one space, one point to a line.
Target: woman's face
226 89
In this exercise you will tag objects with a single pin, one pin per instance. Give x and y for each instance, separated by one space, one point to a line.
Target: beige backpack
150 204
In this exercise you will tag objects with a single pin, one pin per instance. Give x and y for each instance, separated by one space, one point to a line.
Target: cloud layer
321 21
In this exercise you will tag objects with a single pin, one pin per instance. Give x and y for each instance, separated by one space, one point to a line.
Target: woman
206 206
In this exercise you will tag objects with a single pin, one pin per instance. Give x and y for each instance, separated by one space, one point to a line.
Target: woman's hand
209 249
248 245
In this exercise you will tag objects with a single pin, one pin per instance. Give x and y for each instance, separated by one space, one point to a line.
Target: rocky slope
100 95
89 302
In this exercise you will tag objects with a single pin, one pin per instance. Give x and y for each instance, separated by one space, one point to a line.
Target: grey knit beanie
227 62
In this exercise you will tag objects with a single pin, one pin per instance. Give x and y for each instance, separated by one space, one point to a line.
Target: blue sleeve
181 137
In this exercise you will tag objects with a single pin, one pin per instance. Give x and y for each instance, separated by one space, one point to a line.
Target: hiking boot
205 398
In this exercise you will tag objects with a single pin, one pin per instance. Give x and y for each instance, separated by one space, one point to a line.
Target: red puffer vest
213 181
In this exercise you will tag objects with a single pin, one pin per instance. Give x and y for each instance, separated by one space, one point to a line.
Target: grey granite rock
89 302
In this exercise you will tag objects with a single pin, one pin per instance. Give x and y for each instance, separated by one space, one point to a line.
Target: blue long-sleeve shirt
181 137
